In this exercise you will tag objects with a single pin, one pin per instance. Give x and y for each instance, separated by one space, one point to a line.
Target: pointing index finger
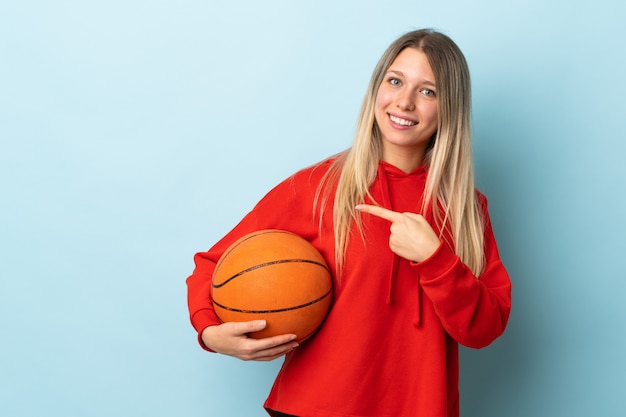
381 212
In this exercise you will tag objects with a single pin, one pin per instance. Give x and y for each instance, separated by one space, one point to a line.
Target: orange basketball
273 275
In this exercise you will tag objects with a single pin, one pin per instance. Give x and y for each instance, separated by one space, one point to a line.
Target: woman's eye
394 81
428 92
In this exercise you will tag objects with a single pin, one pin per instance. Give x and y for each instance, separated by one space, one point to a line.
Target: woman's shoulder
304 181
481 199
297 192
317 172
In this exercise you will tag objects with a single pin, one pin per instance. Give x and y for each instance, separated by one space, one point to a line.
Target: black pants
279 414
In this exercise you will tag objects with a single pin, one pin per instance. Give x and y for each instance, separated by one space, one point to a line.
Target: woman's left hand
411 236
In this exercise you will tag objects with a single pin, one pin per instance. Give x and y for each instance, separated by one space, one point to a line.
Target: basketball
276 276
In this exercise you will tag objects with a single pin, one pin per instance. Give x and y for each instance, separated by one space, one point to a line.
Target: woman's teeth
402 122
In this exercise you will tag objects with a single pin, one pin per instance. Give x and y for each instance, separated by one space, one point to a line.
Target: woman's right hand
232 339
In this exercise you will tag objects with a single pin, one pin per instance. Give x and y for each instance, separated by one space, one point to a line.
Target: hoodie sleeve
288 206
199 301
473 310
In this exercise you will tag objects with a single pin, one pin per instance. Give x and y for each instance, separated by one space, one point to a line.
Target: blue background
136 133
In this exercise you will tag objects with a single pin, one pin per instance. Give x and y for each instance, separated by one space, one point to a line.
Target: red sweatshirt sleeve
288 206
199 301
473 310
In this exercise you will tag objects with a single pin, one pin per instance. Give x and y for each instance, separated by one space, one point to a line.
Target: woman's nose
406 101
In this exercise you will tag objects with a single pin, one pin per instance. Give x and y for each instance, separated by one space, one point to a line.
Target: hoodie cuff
201 320
437 264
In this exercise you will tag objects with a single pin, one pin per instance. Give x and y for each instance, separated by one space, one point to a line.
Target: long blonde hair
450 184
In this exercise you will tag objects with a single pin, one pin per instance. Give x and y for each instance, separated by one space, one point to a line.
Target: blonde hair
450 184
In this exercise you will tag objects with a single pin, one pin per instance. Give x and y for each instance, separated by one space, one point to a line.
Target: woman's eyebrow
396 72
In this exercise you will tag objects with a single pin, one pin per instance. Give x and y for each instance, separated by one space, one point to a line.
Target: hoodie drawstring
417 318
386 202
395 261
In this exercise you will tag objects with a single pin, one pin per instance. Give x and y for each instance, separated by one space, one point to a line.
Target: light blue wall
135 133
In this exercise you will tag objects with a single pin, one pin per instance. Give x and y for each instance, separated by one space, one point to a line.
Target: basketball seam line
280 310
250 236
281 261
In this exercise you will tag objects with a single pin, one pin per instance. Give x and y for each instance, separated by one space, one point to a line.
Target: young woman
408 239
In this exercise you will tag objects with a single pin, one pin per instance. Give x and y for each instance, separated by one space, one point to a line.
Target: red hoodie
389 345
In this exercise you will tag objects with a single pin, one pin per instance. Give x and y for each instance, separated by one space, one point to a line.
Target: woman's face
406 108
